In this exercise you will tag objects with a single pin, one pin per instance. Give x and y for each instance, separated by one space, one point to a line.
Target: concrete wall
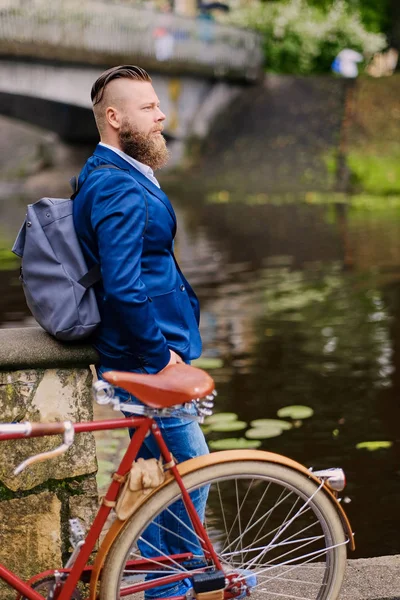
42 380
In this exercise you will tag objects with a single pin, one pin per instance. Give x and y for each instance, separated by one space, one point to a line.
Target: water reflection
301 305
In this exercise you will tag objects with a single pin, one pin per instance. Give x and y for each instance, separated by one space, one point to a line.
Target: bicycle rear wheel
265 519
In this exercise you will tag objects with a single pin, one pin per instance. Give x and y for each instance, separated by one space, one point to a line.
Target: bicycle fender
101 555
260 455
199 463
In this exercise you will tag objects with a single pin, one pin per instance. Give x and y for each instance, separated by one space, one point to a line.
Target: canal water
300 305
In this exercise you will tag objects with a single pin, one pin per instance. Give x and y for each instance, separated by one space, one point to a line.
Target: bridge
51 53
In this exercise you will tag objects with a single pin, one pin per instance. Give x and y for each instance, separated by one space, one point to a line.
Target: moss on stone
75 486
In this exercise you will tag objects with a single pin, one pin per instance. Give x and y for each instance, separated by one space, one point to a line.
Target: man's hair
120 72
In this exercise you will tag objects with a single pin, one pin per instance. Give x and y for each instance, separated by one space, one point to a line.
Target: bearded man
149 313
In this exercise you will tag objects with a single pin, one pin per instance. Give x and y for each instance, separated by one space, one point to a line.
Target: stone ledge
366 579
33 348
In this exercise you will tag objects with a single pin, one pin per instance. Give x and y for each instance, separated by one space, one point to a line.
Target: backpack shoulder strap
74 180
91 277
76 189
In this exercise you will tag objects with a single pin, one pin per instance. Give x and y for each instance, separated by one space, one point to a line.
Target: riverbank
35 162
294 134
287 134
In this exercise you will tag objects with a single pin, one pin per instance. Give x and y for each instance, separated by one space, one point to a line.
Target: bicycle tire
318 511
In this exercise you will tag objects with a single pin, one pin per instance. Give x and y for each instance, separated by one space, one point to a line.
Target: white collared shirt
145 169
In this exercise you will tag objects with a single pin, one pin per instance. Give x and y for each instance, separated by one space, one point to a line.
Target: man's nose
160 115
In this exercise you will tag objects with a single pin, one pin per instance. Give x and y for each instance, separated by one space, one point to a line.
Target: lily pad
208 363
205 429
263 433
228 426
372 446
220 418
234 444
261 423
296 411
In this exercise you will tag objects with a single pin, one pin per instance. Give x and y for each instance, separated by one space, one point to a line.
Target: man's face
141 106
140 122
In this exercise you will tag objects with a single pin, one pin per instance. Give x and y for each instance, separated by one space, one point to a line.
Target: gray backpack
56 281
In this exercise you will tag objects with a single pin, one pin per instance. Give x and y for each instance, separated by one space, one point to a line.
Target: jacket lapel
112 157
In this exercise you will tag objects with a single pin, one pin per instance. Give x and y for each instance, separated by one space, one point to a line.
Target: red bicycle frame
142 426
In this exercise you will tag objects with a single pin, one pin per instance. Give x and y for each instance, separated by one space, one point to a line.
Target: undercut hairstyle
100 85
120 72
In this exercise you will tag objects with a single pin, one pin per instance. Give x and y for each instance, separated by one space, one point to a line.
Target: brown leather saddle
176 384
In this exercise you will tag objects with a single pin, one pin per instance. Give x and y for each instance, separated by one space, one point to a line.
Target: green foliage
302 38
375 173
8 260
374 14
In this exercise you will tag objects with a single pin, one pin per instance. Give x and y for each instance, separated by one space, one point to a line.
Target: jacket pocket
167 308
169 315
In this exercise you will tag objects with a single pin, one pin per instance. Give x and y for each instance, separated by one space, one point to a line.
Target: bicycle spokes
271 533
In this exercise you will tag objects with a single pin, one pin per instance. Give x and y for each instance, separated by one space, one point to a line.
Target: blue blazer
126 224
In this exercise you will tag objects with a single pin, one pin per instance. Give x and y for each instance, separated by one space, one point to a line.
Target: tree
304 36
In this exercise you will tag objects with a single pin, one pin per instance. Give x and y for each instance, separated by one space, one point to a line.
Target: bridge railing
93 32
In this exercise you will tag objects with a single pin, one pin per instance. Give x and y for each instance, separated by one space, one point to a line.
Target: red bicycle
271 526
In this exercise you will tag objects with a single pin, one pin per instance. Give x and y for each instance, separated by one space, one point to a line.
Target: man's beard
150 149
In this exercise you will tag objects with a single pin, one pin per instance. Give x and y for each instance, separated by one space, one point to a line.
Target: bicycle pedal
77 532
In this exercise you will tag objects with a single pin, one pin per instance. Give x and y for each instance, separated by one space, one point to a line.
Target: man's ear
113 117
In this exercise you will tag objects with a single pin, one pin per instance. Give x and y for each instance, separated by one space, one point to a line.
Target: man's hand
174 359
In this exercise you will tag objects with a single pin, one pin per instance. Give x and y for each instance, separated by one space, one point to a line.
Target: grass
375 173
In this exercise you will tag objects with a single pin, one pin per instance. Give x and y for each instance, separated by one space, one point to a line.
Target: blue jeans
185 440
